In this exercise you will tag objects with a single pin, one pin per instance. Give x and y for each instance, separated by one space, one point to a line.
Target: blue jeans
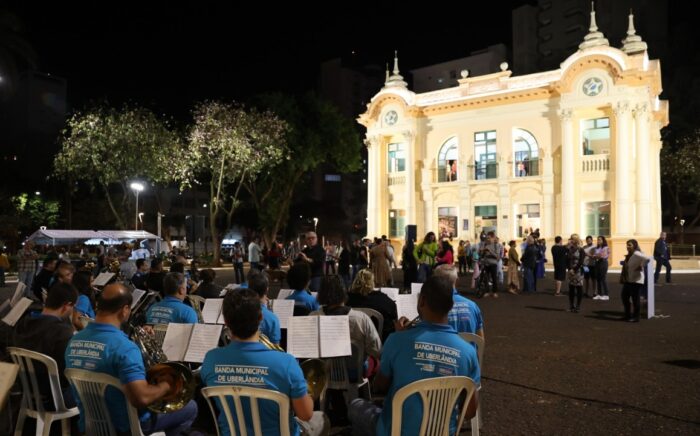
528 279
363 416
171 423
27 277
660 261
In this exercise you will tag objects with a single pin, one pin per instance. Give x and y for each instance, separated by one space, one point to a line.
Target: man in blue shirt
172 308
247 362
102 347
465 315
270 324
431 349
298 278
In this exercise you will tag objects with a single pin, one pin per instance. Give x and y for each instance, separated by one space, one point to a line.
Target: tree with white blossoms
227 145
106 148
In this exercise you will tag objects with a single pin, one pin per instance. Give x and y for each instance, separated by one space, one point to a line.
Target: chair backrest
338 376
439 396
160 330
235 393
377 318
91 388
27 361
479 342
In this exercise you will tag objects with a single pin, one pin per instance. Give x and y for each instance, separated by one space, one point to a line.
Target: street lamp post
315 224
137 187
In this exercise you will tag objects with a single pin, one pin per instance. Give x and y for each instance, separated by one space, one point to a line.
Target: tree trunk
270 233
213 212
117 217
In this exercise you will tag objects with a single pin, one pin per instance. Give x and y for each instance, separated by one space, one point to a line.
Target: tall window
485 220
397 157
397 223
596 136
447 222
528 219
447 161
598 218
525 158
485 166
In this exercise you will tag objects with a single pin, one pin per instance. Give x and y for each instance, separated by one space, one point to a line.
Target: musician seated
139 278
465 315
48 332
333 296
270 324
405 359
82 280
274 370
208 289
102 347
363 294
172 308
299 278
154 281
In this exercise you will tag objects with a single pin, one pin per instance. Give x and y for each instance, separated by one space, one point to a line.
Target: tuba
156 365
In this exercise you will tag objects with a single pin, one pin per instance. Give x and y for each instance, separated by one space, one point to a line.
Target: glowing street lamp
137 187
315 224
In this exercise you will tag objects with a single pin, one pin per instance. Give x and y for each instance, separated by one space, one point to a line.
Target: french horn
157 365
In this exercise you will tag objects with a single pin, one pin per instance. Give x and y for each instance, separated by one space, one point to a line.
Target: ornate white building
574 150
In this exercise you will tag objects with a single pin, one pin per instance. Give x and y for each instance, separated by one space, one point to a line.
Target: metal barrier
681 250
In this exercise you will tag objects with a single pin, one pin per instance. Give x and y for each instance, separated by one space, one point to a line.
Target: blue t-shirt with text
84 307
465 315
106 349
254 365
270 325
171 309
305 298
425 351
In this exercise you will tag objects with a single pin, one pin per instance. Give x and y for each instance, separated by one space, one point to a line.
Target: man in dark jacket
48 332
662 257
559 253
315 256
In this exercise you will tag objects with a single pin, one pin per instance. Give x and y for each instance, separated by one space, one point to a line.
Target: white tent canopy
52 236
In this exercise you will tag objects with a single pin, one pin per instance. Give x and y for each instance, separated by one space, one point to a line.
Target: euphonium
157 365
269 344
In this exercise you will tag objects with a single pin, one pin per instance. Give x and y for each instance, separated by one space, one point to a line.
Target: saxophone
156 363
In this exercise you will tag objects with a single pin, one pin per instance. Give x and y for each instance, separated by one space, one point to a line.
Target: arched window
525 154
447 161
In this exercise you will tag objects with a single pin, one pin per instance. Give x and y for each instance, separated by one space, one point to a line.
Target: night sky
171 56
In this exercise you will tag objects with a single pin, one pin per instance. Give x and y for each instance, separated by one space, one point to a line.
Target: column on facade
643 171
374 174
623 154
408 137
426 179
568 220
547 225
503 217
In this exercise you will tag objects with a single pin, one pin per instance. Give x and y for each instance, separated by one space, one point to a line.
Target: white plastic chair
160 330
91 388
480 344
225 394
339 379
439 396
32 401
377 318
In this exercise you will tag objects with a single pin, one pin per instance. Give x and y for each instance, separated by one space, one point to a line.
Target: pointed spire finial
396 79
594 37
633 43
386 76
594 26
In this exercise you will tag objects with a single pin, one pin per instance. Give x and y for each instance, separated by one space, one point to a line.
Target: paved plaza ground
551 372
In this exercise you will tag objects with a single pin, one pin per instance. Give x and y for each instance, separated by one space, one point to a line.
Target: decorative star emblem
592 86
391 118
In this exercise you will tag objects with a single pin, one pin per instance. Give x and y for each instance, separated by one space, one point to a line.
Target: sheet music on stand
16 313
137 295
284 309
416 287
319 336
407 305
19 293
284 293
190 342
211 312
102 279
392 293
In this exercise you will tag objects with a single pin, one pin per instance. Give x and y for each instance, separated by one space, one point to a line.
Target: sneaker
605 297
495 295
488 294
597 297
